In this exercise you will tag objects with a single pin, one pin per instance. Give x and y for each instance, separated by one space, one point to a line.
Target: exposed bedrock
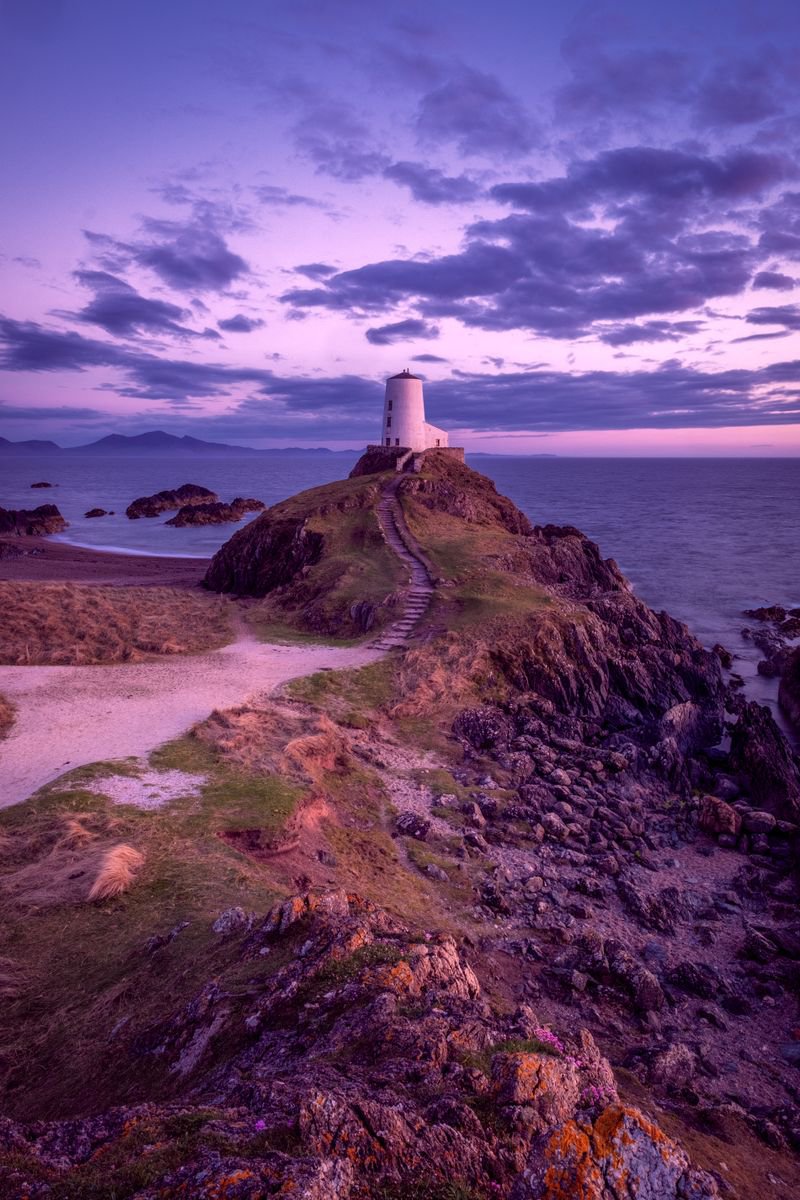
33 522
366 1063
169 499
789 690
762 755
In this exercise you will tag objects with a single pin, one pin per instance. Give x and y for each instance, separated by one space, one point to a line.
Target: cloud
315 270
787 315
624 235
401 331
623 83
190 255
741 92
240 324
475 113
338 142
429 358
774 280
320 407
279 197
648 331
49 412
432 186
119 309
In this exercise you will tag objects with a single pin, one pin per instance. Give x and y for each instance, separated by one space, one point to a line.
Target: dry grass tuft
117 872
76 835
6 715
67 623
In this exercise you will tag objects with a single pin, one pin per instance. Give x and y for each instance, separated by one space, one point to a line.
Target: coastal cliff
495 917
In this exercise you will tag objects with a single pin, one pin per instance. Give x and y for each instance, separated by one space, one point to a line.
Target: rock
759 822
153 506
699 979
34 522
789 690
760 752
98 512
547 1086
554 827
673 1068
214 512
716 816
436 872
483 728
411 824
42 485
725 657
774 612
641 984
232 921
621 1154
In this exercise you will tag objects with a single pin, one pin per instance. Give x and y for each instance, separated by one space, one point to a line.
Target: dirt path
69 716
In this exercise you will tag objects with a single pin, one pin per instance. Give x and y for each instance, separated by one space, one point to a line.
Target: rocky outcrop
266 555
153 506
215 513
760 752
789 690
42 484
378 459
34 522
367 1062
98 512
448 486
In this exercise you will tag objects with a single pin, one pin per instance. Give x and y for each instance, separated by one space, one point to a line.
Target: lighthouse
404 421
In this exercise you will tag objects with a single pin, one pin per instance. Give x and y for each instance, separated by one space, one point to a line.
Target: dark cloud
781 227
432 186
774 280
613 240
787 315
648 331
429 358
742 92
338 142
539 400
279 197
190 255
623 83
49 412
315 270
475 113
240 324
409 330
121 310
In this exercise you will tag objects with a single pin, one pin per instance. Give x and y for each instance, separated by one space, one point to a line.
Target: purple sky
580 222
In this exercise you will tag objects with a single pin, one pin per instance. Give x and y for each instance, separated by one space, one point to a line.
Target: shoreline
46 560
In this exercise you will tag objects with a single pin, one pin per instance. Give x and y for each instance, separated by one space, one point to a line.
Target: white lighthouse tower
404 421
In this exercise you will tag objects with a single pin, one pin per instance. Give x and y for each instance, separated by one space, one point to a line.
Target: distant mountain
155 442
31 447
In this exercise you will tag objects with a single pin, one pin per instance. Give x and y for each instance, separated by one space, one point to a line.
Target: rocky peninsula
511 912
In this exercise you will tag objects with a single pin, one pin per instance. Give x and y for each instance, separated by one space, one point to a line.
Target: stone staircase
419 594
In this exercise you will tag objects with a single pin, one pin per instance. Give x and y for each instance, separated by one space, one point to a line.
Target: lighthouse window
397 441
389 406
388 422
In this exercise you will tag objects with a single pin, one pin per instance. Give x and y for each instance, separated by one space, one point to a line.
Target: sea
703 539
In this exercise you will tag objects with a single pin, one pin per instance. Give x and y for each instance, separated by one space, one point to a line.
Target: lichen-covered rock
622 1156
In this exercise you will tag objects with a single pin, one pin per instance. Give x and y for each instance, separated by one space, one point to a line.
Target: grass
66 623
81 966
364 690
7 712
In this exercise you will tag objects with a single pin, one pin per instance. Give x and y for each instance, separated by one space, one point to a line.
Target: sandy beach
48 561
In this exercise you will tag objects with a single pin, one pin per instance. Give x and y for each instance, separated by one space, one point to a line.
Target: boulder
98 512
789 690
411 824
717 816
159 502
760 753
34 522
215 512
42 484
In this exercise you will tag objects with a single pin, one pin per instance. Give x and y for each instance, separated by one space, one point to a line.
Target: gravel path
69 716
